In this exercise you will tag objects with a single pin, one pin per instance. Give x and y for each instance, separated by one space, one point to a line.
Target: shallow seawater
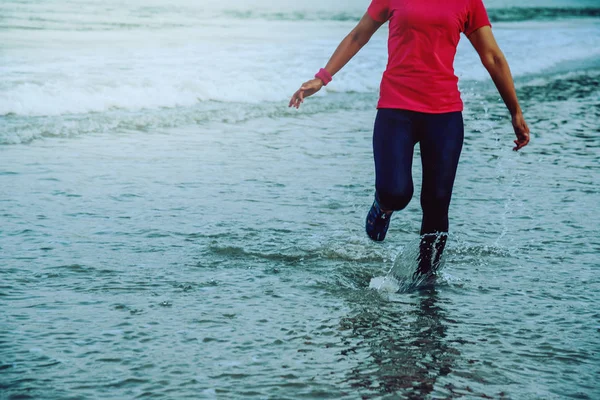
170 229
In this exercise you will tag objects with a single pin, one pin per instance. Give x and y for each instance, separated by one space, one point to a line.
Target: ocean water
169 228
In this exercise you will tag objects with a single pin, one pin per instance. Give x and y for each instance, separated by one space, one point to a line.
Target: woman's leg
441 138
393 147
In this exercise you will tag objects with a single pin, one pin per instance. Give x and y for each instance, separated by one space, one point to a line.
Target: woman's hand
521 130
307 89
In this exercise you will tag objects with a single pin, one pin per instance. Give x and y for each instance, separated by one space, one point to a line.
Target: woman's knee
394 200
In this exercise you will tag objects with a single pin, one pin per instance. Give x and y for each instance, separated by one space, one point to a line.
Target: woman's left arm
493 60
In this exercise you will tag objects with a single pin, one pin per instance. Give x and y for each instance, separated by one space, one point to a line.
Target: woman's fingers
299 98
521 131
518 145
296 99
522 137
293 99
521 142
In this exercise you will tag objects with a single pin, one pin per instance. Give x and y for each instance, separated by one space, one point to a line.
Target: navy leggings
440 137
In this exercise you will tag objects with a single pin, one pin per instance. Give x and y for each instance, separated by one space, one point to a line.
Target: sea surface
170 229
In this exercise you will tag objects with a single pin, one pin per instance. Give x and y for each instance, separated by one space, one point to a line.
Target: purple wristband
324 76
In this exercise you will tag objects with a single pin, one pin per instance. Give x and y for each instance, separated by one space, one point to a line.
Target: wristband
324 76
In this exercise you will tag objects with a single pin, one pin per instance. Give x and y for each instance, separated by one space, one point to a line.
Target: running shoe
377 222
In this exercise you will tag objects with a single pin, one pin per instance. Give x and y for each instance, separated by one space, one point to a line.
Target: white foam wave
155 78
65 98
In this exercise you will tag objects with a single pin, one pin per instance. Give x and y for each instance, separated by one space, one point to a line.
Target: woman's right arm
494 61
352 43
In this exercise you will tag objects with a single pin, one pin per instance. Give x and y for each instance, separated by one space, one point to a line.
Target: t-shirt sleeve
379 10
477 17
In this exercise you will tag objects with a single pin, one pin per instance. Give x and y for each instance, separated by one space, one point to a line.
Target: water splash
405 274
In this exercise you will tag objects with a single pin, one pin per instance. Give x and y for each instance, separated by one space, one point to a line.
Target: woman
420 102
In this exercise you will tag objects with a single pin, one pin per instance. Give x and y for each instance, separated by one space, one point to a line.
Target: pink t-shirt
422 44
